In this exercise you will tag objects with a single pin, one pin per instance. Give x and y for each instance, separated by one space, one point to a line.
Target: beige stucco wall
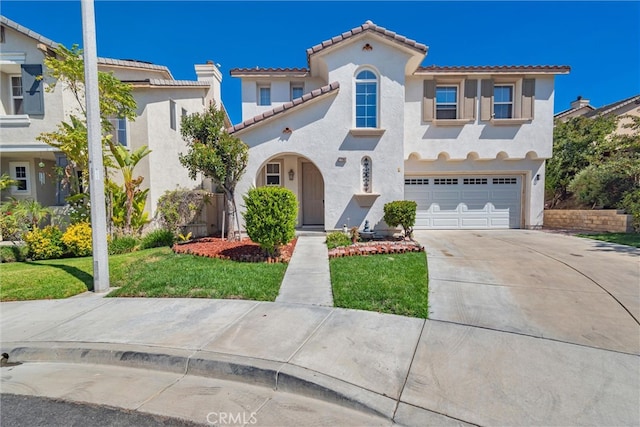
612 221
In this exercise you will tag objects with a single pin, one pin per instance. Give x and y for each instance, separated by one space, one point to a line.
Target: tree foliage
401 212
215 154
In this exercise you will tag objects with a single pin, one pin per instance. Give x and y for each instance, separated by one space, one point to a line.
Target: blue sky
599 40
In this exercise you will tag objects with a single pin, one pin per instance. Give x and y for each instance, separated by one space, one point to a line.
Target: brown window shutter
469 102
429 100
528 98
486 100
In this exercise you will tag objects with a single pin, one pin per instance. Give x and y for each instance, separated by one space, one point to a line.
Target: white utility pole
94 134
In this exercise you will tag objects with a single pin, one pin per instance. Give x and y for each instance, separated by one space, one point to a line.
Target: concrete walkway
307 280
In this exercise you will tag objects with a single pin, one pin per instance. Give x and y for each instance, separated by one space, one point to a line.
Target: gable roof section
364 28
611 108
561 114
134 64
314 94
27 32
496 69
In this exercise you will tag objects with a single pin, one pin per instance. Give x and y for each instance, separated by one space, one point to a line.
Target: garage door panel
466 202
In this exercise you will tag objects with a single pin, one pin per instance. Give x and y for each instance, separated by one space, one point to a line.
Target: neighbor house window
20 174
119 132
296 91
446 102
17 97
366 100
272 176
172 115
264 95
503 101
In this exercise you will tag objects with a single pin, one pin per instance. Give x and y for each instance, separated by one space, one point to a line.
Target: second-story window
366 100
17 97
503 101
297 91
119 132
446 102
264 95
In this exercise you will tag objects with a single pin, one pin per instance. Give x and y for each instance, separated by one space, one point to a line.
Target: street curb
279 376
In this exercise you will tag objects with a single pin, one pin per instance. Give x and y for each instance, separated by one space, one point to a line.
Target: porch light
291 174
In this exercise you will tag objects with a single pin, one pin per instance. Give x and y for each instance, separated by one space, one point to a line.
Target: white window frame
512 103
14 97
268 174
27 178
267 87
455 104
358 81
120 124
295 86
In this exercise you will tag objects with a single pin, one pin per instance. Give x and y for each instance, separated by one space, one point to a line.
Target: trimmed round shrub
401 212
157 239
78 240
13 253
270 217
44 243
336 239
122 245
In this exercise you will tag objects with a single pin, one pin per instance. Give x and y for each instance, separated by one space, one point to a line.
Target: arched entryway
302 176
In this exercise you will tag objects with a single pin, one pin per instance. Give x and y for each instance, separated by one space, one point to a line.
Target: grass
629 239
395 284
153 272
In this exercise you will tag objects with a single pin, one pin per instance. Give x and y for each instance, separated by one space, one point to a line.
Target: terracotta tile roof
368 27
27 32
133 64
556 69
300 72
286 107
610 108
168 83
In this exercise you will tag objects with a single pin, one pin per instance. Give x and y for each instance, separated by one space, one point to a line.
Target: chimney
209 72
579 102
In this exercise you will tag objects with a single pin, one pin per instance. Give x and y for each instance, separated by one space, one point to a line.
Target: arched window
366 99
365 167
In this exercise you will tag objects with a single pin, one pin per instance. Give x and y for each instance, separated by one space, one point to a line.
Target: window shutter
528 98
428 100
33 102
486 100
470 95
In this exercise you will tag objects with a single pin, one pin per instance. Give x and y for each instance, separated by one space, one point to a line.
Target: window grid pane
503 102
366 101
265 96
446 102
296 92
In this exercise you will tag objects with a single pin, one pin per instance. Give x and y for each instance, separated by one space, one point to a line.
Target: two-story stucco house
365 124
27 109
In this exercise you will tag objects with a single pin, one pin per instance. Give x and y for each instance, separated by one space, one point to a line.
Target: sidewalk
307 280
415 372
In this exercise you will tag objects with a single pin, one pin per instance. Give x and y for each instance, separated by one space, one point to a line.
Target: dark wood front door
312 195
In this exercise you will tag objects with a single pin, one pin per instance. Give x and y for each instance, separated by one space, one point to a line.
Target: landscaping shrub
604 185
401 212
158 238
78 240
631 204
13 253
270 217
122 245
336 239
44 243
180 207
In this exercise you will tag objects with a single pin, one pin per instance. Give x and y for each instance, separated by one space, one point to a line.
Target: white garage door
472 202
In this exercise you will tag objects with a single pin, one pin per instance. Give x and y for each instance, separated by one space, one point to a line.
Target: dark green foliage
158 238
13 253
122 245
270 217
336 239
178 208
403 213
631 204
605 185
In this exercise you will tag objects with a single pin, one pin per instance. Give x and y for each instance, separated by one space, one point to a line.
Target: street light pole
94 134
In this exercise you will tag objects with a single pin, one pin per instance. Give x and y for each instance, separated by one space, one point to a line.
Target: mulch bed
376 247
244 250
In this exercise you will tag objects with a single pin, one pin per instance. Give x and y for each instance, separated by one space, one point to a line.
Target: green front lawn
629 239
154 272
393 283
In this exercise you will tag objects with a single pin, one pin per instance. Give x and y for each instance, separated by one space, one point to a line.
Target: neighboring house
365 124
28 109
623 109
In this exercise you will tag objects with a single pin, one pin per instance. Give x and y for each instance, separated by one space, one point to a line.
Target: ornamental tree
217 155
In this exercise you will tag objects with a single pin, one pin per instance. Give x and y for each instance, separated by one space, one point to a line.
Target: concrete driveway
536 283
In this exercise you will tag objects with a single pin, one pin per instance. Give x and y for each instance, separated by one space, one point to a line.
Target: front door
312 195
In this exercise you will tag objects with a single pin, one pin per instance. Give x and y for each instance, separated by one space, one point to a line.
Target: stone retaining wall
606 220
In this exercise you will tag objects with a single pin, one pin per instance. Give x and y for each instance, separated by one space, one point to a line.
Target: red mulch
244 250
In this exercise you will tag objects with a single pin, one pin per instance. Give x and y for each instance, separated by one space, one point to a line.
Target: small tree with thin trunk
215 154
